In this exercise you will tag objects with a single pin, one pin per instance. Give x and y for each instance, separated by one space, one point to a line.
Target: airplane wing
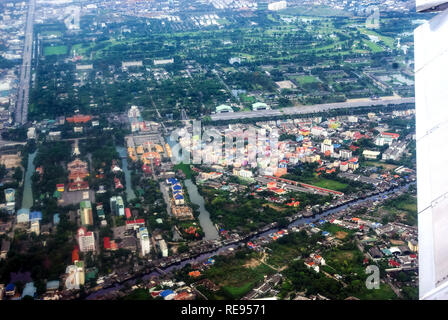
431 5
431 97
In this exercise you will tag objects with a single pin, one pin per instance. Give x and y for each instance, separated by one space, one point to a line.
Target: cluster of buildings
78 172
12 30
314 261
148 149
32 219
178 207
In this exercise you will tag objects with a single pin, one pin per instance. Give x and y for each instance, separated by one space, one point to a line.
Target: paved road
308 109
21 112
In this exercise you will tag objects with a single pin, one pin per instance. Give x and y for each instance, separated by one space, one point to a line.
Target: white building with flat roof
144 241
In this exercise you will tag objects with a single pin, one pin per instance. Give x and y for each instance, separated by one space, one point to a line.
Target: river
204 256
27 199
204 217
130 194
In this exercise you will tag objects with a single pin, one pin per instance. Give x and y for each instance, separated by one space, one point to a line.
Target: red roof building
146 169
390 134
79 118
118 184
76 186
75 255
127 212
106 243
394 263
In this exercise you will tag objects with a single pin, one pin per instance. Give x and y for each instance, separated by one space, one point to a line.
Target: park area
237 275
55 50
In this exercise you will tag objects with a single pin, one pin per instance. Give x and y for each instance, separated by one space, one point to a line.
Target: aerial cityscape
208 150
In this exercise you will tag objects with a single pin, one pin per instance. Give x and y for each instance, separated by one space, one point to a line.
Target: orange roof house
194 274
271 184
79 118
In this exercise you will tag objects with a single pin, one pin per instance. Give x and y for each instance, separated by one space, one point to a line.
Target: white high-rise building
86 240
144 241
327 146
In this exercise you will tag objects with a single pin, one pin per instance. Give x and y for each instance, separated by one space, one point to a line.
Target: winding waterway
130 194
27 199
210 232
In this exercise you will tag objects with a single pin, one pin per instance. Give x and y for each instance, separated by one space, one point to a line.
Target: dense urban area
94 206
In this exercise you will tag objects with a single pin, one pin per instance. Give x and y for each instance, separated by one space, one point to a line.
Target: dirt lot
252 263
341 235
273 206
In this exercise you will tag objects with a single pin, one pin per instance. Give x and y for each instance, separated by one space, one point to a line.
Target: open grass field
339 232
385 292
185 168
380 164
139 294
55 50
237 276
373 46
388 41
305 79
326 183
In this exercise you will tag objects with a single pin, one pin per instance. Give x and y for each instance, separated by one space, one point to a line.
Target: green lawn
326 183
139 294
55 50
306 79
185 169
385 292
373 46
333 229
235 279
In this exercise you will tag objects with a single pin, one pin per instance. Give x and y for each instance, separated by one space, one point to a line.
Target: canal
130 194
27 199
204 217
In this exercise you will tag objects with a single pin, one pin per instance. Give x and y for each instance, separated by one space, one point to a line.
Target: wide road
21 111
309 109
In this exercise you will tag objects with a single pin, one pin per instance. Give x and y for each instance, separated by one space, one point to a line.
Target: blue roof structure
172 181
56 218
35 215
165 293
177 187
10 287
29 290
23 211
53 285
179 197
